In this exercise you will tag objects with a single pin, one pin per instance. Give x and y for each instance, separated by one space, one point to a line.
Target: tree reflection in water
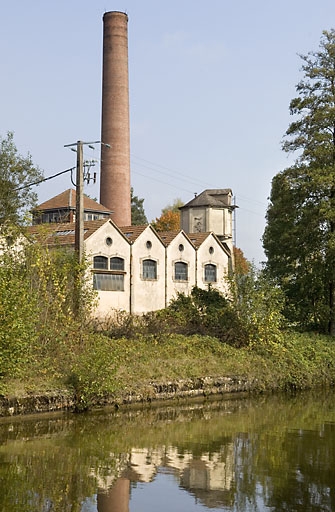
269 453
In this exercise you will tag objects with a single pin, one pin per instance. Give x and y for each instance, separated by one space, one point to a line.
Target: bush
38 292
205 312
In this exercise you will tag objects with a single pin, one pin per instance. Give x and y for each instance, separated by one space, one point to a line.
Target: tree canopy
16 172
299 238
138 216
169 219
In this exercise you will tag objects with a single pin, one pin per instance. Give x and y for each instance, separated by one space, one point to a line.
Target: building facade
137 270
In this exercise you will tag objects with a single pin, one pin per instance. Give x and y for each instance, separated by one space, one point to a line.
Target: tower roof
217 198
67 200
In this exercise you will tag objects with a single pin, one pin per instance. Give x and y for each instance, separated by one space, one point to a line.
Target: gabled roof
132 232
67 200
198 238
218 198
168 236
64 234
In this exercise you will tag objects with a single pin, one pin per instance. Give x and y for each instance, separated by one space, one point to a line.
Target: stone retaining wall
180 389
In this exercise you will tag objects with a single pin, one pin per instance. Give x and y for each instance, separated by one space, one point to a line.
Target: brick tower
115 159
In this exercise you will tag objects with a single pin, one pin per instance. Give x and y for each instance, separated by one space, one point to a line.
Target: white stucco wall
142 295
110 301
173 255
211 252
147 294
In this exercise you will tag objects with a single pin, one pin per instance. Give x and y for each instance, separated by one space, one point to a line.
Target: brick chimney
115 132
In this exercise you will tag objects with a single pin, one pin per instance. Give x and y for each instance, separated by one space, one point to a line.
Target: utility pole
79 225
79 231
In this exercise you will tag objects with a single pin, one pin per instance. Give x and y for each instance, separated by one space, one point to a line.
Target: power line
44 179
179 174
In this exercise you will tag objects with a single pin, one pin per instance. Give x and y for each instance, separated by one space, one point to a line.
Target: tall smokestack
115 160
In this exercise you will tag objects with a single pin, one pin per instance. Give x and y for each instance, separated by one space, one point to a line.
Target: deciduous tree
299 239
16 172
170 217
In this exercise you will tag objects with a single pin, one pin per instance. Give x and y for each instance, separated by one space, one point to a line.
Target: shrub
38 288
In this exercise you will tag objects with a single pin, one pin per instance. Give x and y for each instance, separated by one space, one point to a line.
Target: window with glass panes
210 273
180 271
149 269
108 282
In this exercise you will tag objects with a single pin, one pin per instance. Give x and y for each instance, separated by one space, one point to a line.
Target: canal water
270 453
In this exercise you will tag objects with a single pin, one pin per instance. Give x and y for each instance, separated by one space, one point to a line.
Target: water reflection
274 453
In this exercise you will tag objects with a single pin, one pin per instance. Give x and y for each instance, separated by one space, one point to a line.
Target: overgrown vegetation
39 320
47 344
249 314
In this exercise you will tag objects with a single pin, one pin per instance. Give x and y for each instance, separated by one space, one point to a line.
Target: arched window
149 269
180 271
100 262
116 263
210 273
113 279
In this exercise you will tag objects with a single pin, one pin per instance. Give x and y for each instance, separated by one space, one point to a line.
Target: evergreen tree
16 172
299 239
138 216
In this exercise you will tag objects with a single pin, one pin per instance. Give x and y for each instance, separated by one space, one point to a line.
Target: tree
138 216
170 217
242 265
174 207
16 172
299 238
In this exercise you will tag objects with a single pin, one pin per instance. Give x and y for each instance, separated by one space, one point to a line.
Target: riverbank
119 372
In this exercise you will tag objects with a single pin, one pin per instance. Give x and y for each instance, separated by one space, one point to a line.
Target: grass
99 365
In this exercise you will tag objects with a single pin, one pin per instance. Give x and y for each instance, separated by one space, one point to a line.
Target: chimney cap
115 13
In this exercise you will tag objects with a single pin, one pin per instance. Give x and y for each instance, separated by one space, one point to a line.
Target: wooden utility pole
79 231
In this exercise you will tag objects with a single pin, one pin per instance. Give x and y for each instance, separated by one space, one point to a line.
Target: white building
136 269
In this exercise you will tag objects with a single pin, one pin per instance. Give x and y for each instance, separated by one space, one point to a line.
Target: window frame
97 266
208 270
119 263
116 280
146 272
181 275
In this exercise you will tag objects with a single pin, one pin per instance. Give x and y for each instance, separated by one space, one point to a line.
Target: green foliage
91 371
16 172
37 317
258 304
174 207
299 239
250 315
18 318
206 312
138 216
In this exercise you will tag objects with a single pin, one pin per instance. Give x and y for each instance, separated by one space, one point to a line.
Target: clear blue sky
210 86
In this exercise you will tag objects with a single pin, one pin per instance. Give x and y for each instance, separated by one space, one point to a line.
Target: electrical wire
44 179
